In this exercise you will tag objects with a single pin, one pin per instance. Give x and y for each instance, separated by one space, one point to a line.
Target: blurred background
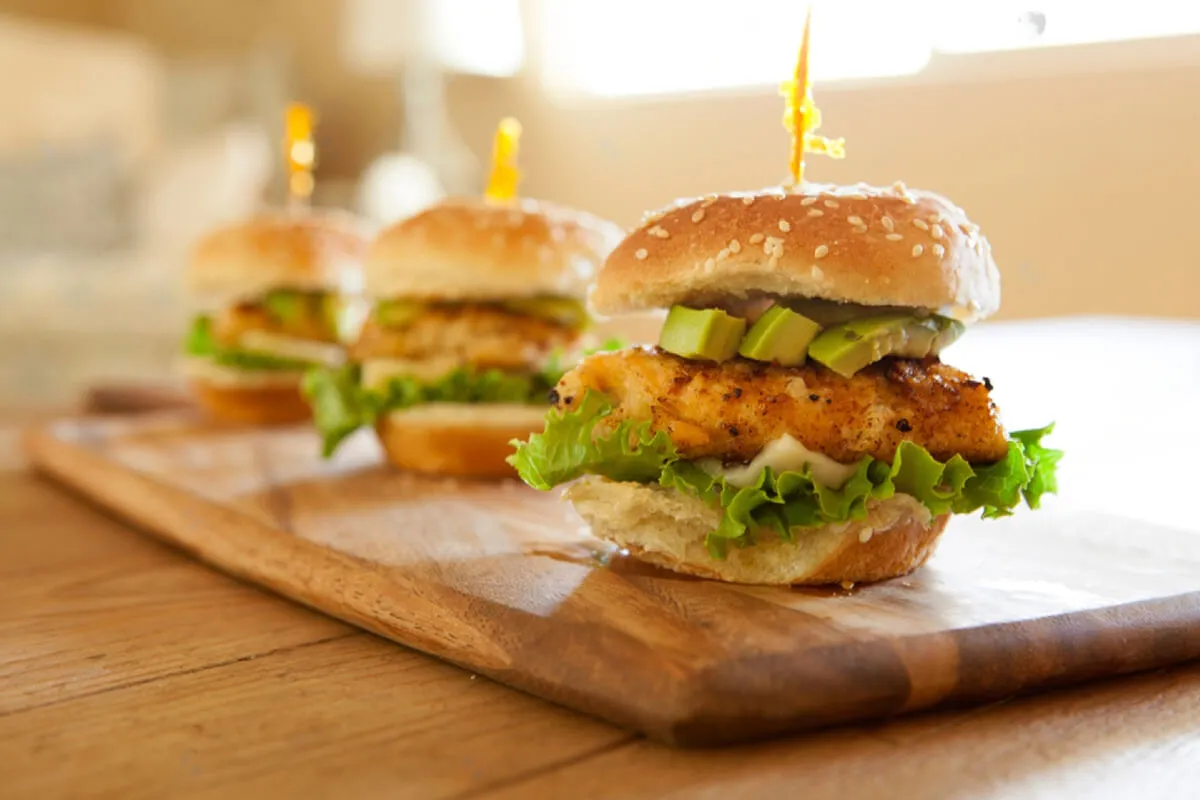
1068 130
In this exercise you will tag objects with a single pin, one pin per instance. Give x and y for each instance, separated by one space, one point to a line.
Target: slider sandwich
271 290
796 423
474 300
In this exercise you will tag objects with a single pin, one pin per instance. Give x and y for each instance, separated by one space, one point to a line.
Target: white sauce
476 415
785 454
273 344
218 374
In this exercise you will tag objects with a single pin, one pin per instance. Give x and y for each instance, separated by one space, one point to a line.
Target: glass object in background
421 42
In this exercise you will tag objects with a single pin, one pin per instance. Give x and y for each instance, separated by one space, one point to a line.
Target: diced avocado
849 347
780 335
565 311
709 334
286 306
333 310
397 313
948 332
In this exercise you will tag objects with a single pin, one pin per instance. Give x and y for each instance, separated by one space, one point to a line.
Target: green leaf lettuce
201 343
574 444
341 404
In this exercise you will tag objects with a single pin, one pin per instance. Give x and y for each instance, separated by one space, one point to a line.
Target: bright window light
640 47
1006 25
619 48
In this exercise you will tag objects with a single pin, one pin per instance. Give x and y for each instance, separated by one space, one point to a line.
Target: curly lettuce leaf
337 404
575 444
201 343
569 448
341 405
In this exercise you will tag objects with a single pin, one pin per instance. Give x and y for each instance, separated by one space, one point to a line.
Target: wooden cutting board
504 581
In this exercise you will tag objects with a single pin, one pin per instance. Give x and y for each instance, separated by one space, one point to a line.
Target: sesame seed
699 215
659 231
641 254
821 251
808 201
853 220
709 199
894 237
899 188
922 224
748 199
735 246
817 272
831 203
816 212
773 246
936 231
784 225
755 238
709 264
887 223
724 254
939 251
917 250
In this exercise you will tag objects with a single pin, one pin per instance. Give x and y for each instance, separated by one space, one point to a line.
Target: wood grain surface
461 571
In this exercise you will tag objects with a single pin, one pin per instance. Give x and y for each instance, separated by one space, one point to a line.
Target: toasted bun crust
258 405
306 251
666 528
470 249
457 439
851 244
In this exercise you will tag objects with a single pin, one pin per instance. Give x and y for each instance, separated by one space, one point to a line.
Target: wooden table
127 670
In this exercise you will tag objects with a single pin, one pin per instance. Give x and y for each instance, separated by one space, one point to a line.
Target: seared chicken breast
480 335
732 410
231 323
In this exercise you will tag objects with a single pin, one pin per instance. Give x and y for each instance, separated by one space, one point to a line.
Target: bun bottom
457 439
276 404
667 529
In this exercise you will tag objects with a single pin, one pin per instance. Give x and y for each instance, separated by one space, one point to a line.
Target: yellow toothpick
299 151
502 183
801 116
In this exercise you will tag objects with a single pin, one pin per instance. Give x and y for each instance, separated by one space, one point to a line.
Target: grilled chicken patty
233 322
483 336
732 410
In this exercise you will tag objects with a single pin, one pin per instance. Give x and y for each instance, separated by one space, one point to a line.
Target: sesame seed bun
458 440
852 244
666 528
305 251
472 249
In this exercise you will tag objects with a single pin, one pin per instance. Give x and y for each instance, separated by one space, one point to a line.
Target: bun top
472 249
305 251
852 244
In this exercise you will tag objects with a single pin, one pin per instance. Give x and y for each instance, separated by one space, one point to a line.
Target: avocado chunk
781 336
849 347
565 311
708 334
286 306
397 313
